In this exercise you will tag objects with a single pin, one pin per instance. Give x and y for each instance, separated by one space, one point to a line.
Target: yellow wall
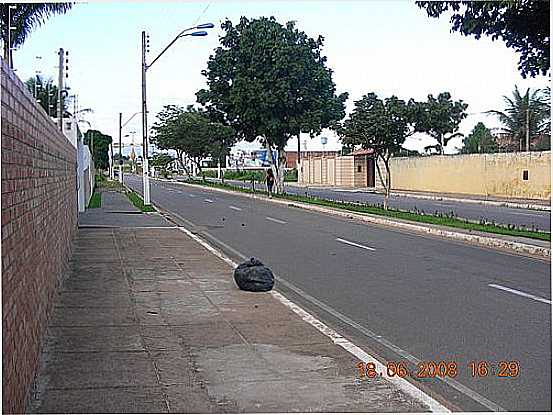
476 174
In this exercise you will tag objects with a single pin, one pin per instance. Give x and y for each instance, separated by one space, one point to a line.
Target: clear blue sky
389 47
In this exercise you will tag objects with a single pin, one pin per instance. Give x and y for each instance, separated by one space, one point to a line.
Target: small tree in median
380 125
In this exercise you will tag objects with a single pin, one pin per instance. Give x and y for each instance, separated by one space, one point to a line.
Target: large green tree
528 113
380 125
191 133
98 144
480 140
522 24
270 81
440 118
23 18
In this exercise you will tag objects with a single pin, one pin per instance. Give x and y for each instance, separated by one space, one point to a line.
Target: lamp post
121 126
145 67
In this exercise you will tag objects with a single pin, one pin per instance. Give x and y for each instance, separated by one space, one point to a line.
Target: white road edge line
235 208
209 201
521 293
344 241
338 339
276 220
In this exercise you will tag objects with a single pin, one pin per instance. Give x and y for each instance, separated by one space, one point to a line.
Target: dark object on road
252 275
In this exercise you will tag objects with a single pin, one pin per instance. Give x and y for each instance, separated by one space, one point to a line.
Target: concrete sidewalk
151 321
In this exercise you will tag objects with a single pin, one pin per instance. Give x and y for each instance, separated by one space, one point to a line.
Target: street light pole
10 28
60 90
145 67
145 170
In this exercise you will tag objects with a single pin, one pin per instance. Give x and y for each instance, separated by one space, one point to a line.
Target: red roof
362 152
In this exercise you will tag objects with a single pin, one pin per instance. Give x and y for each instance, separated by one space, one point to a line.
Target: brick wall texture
39 219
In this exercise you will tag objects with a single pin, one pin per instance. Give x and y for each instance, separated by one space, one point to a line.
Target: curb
514 205
487 241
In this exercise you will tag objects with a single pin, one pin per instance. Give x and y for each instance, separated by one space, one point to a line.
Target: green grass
138 202
247 175
111 185
95 200
417 216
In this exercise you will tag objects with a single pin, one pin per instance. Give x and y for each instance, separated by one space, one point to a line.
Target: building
356 169
85 165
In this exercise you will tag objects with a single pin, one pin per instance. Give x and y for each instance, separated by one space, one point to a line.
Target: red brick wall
39 214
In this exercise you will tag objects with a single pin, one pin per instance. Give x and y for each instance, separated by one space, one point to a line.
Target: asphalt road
400 295
501 215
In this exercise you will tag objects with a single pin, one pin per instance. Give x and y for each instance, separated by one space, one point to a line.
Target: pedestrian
270 180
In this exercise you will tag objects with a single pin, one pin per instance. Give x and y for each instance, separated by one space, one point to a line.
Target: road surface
399 295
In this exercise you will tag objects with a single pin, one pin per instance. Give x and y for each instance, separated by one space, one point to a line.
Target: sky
387 47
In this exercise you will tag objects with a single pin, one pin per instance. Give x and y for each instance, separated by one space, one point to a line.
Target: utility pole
120 151
527 129
145 171
10 28
61 54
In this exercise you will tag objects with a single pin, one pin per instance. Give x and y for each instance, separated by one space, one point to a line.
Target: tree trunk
183 165
386 183
279 178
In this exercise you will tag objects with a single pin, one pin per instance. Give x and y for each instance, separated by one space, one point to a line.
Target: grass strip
95 200
421 217
138 202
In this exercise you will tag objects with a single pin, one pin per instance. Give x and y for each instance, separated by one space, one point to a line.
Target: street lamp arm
129 120
164 50
181 34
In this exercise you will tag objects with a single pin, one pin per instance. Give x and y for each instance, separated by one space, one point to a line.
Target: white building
85 165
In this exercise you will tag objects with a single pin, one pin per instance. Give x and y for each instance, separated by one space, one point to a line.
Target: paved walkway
152 322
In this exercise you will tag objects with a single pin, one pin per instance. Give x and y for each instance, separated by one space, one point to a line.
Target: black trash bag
252 275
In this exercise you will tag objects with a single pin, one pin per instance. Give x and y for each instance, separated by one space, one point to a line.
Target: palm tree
17 21
524 114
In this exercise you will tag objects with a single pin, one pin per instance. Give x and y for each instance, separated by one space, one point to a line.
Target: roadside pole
120 152
61 54
145 172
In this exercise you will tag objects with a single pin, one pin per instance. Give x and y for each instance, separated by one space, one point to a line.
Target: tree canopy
440 118
191 133
270 81
523 25
46 94
98 144
480 140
